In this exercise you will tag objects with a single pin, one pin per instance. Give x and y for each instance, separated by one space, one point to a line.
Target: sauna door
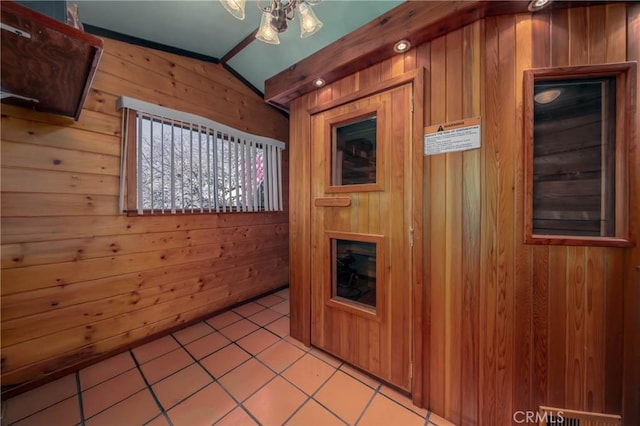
361 214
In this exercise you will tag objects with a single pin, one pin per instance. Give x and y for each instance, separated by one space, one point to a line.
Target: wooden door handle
332 202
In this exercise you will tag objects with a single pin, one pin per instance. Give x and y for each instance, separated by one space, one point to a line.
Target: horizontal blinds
187 163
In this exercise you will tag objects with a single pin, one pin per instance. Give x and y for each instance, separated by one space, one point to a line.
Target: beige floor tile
224 360
239 329
383 412
64 413
165 365
177 387
223 320
111 392
308 373
269 300
264 317
257 341
204 408
246 379
248 309
196 331
439 421
104 370
34 400
207 345
280 356
314 414
237 417
282 307
403 400
154 349
345 396
275 402
364 378
280 327
158 421
135 410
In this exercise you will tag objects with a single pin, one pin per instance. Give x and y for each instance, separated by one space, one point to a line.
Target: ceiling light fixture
537 5
402 46
319 82
547 96
275 17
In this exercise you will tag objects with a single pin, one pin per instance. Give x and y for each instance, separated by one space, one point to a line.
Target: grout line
4 407
153 394
216 381
80 401
366 407
153 419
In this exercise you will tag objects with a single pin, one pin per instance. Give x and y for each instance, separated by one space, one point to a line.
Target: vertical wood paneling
541 57
453 232
576 335
299 219
79 279
489 229
472 54
631 372
523 260
513 326
437 240
506 217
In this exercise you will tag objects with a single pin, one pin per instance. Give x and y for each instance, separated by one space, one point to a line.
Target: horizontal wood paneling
510 326
79 279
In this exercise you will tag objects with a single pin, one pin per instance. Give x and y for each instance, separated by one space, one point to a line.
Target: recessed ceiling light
319 82
537 5
547 96
401 46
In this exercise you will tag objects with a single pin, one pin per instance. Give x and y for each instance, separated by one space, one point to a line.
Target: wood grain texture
78 279
378 341
33 67
511 326
631 294
418 22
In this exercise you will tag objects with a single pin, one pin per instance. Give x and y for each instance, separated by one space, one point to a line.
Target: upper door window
353 152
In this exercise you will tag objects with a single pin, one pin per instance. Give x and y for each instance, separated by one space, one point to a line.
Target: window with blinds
176 162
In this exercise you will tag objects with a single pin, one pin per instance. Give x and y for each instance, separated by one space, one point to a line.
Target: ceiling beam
238 47
416 21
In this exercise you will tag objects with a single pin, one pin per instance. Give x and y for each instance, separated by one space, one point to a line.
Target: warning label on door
454 136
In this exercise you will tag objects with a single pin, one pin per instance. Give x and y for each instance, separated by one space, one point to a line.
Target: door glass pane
354 271
353 152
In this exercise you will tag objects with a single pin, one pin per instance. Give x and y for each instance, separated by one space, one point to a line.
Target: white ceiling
205 27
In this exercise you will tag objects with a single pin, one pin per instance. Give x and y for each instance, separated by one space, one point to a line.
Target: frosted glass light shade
266 32
309 22
234 7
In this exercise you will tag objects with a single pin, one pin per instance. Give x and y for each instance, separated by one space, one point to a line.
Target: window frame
129 191
625 121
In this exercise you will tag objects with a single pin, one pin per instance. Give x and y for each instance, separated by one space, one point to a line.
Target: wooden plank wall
512 326
80 280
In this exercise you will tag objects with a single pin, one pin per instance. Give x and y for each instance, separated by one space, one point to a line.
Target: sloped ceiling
206 28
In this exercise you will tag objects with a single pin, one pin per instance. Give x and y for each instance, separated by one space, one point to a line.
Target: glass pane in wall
574 157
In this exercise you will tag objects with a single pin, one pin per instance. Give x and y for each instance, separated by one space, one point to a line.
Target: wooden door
361 218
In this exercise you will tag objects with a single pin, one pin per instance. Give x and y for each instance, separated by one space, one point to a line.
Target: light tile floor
237 368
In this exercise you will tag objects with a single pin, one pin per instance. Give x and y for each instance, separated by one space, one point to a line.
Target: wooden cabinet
46 65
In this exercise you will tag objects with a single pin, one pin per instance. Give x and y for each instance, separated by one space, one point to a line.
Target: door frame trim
420 359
